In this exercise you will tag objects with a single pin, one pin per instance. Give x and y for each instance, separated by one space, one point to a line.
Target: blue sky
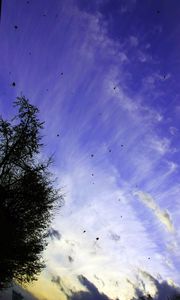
104 75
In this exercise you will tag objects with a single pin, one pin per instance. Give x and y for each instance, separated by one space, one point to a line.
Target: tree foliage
27 196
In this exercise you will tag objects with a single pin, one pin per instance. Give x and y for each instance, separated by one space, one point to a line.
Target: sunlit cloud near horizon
104 75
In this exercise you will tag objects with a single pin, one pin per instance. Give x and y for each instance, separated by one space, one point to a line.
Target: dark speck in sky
122 145
92 155
97 238
92 174
58 134
61 73
158 11
84 231
16 27
109 150
13 84
70 259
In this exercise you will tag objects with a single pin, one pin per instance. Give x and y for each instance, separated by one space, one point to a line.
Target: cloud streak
162 215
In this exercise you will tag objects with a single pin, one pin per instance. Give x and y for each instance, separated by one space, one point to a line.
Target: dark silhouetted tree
27 196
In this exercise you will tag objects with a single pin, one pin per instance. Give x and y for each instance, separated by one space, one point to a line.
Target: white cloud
161 145
143 57
134 41
172 167
162 215
173 130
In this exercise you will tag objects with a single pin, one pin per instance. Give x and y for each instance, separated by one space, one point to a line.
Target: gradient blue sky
105 76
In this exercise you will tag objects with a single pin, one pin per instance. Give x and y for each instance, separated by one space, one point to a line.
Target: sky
105 77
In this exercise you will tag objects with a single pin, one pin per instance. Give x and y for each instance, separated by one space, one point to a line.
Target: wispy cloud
162 215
